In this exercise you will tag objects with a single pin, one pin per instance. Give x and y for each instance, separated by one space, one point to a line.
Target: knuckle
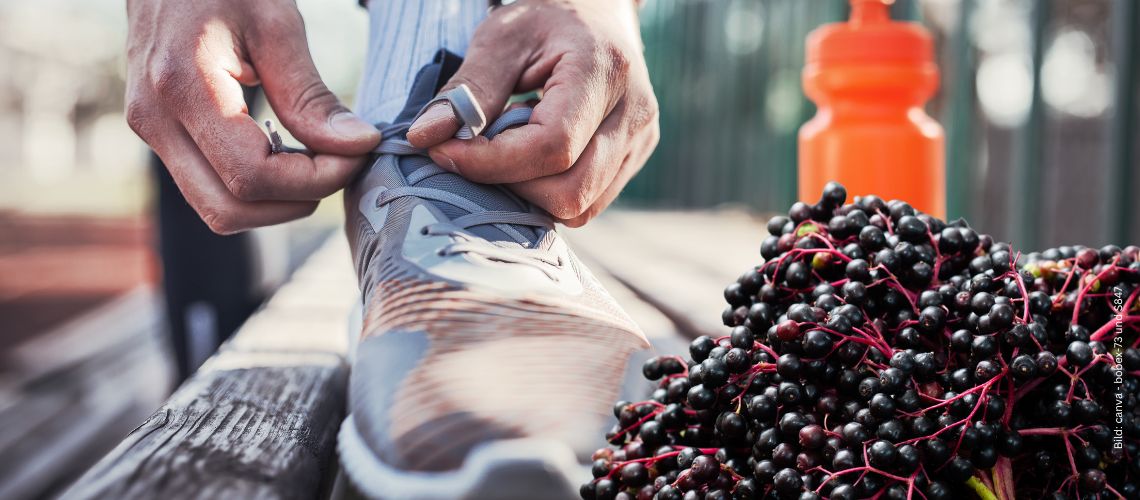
616 62
556 153
654 134
221 220
140 116
652 109
313 95
242 185
568 204
644 114
169 78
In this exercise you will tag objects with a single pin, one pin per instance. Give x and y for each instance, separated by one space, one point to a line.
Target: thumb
490 72
305 106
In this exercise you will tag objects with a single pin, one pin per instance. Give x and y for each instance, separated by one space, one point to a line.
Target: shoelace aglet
276 145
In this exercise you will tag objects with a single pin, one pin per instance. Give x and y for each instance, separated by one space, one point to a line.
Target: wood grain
69 395
259 419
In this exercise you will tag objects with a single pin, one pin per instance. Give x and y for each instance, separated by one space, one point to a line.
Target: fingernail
439 112
347 125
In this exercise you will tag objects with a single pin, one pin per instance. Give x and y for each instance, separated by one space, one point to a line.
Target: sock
404 35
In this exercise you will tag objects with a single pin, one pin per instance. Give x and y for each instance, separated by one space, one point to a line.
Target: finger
206 193
306 107
630 167
209 104
576 99
490 71
570 193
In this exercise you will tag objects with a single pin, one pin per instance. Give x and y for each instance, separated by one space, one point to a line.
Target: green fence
727 75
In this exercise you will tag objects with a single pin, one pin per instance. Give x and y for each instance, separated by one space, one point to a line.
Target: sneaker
489 355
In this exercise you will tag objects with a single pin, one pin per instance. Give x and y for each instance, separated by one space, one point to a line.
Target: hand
595 125
186 64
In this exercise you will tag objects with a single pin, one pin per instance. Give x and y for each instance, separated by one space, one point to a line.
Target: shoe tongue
425 87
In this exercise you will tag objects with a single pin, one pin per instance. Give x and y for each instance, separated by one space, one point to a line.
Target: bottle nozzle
870 11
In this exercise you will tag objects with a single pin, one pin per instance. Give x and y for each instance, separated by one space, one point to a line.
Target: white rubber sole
514 469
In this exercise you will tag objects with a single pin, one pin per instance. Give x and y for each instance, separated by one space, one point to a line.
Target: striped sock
403 37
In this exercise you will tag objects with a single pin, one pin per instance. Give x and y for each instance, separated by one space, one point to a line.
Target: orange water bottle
870 78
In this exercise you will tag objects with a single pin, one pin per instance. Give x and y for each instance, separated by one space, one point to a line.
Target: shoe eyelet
441 252
424 230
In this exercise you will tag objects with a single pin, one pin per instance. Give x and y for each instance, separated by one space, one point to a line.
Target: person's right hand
186 64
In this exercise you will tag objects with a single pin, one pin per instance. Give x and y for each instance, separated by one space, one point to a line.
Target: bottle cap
870 37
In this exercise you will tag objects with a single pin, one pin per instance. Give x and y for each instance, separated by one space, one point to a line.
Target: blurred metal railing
727 74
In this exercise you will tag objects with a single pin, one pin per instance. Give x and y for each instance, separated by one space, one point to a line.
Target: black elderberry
872 340
762 408
791 423
935 452
704 468
789 365
812 437
634 474
911 229
958 470
787 481
844 492
868 387
890 430
834 194
984 458
737 360
882 406
1079 353
714 372
1046 363
731 425
776 225
892 380
983 346
817 343
854 434
701 398
986 370
700 347
605 489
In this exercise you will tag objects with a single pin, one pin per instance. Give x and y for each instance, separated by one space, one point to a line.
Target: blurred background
1038 99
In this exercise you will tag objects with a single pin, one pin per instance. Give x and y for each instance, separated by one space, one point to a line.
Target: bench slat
259 419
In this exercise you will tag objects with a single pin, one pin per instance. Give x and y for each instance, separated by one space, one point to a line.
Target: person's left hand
595 125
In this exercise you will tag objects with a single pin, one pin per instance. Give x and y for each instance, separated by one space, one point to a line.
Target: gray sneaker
489 356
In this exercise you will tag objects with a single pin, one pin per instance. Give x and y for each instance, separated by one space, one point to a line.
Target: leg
404 36
207 279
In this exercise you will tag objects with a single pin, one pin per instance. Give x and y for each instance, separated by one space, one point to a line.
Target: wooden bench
259 419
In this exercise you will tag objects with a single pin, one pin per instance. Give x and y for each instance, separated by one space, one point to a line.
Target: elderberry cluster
879 352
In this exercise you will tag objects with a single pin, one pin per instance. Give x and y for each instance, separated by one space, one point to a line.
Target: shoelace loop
464 242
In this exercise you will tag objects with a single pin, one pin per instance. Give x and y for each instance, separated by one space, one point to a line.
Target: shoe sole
513 469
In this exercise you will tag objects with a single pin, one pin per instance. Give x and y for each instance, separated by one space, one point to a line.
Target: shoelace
465 242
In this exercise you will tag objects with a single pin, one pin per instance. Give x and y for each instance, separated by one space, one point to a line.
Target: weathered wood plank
679 262
259 419
68 395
